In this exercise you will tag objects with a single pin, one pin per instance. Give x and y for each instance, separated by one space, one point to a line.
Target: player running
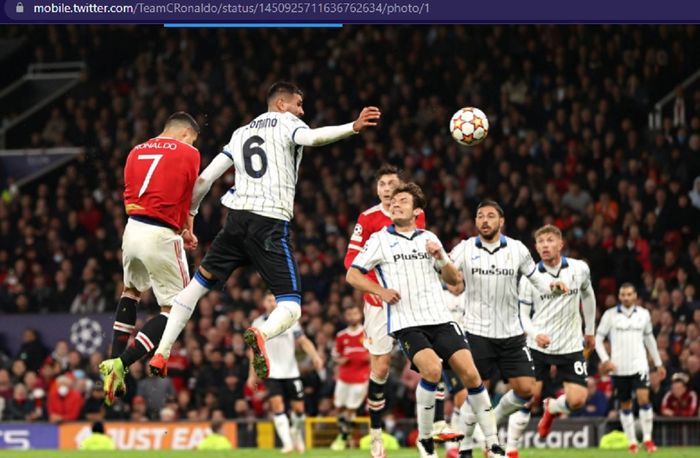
158 179
266 154
352 359
378 341
407 261
628 328
492 264
284 383
553 327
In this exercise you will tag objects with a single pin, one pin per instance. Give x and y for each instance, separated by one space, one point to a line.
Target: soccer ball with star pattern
469 126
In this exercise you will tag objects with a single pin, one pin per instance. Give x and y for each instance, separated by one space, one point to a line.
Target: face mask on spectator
62 390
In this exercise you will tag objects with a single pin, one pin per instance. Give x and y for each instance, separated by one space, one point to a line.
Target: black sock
376 400
440 402
124 322
343 425
146 340
428 445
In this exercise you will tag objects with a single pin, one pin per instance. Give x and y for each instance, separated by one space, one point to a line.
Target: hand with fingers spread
369 117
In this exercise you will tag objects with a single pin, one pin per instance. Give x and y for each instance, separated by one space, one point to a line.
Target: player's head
627 294
352 315
388 178
269 302
407 202
489 219
98 427
549 242
285 97
181 126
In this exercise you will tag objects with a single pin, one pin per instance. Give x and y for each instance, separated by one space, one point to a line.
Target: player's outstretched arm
218 166
369 116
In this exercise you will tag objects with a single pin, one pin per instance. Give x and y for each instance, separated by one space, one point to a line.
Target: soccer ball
469 126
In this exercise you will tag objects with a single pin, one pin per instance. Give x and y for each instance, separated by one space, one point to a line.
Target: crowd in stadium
569 146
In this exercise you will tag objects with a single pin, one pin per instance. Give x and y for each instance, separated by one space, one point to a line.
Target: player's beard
488 234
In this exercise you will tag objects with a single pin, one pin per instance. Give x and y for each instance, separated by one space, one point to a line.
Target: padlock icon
19 8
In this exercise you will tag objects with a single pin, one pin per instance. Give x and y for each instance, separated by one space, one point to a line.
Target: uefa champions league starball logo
86 335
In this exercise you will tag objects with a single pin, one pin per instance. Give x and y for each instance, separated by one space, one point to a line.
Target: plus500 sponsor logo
17 439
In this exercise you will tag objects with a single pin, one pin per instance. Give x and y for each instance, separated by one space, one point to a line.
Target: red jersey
370 221
350 345
685 406
158 179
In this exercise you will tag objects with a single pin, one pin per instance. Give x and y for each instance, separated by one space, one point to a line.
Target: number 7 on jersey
156 159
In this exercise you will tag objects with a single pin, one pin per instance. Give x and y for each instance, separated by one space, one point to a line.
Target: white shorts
377 341
349 395
154 257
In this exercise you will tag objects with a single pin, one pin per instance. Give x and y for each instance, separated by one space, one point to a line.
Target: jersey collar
480 245
619 308
391 229
564 264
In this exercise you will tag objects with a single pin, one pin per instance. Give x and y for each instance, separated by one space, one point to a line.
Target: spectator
680 402
6 391
94 408
20 407
32 351
64 403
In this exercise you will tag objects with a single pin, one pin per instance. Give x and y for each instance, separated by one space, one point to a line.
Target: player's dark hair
490 203
548 229
182 118
628 285
388 169
282 87
98 427
415 191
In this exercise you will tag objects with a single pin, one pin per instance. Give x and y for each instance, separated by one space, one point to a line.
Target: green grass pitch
673 452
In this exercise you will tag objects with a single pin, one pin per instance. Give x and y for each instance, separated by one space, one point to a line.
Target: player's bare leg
516 398
376 401
574 398
183 306
478 398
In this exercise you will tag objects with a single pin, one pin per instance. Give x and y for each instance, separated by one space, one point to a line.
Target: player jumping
266 154
158 180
